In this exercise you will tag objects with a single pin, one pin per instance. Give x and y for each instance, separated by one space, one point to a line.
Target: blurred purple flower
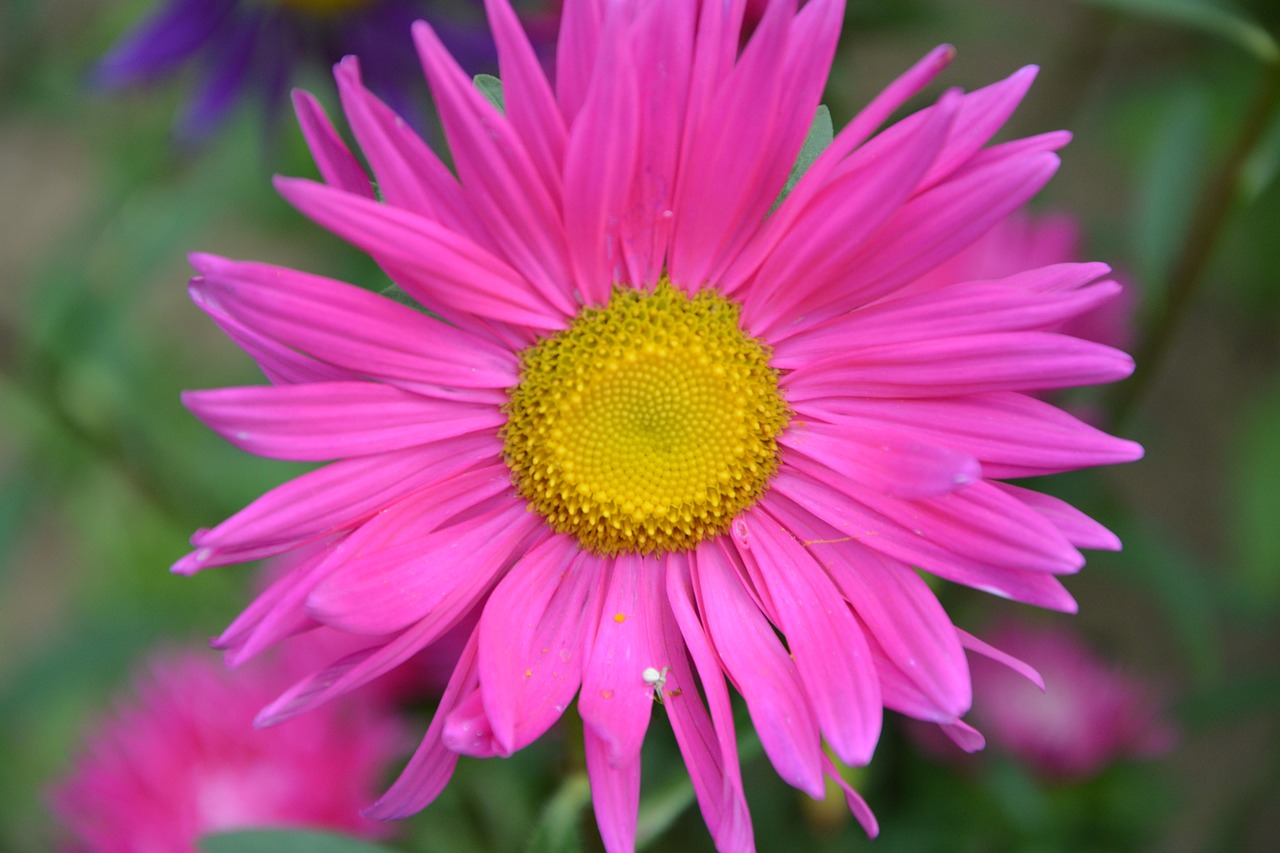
1089 715
244 48
180 758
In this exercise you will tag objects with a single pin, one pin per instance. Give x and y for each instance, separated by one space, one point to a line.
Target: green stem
1211 211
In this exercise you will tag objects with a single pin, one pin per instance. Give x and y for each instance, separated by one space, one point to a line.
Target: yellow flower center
321 7
647 425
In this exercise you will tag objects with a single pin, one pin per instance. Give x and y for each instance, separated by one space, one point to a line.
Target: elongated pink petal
825 640
925 232
599 168
888 463
616 701
853 799
409 173
615 792
328 420
337 165
1010 434
432 764
467 731
707 743
435 264
971 308
974 364
386 341
761 669
576 52
832 229
530 102
865 524
964 735
531 643
386 591
901 615
330 500
498 175
983 648
1081 530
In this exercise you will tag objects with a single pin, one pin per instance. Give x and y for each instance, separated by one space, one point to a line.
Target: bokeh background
103 475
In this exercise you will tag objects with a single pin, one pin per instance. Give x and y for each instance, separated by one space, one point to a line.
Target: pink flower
665 425
180 758
1089 715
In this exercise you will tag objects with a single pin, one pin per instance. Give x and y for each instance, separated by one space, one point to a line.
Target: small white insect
657 679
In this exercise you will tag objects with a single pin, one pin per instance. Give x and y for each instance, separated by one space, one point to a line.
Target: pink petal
880 460
779 75
381 591
926 231
338 166
356 330
498 176
856 804
616 701
831 230
1081 530
431 766
531 643
962 309
329 500
663 38
973 364
409 173
576 51
1010 434
467 730
897 608
1024 669
818 177
329 420
436 265
761 669
708 744
530 103
964 735
599 167
826 642
862 523
615 792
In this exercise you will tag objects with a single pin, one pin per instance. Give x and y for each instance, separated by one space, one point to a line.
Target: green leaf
557 829
285 841
1207 17
491 88
821 132
660 809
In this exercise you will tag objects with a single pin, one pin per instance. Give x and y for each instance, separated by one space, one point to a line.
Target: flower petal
329 420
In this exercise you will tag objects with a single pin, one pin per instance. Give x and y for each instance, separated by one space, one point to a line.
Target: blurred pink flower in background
1090 715
179 758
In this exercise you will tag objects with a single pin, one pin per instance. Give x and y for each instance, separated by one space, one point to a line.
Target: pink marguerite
1089 715
179 758
666 425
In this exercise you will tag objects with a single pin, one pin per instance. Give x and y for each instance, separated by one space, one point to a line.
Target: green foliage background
103 475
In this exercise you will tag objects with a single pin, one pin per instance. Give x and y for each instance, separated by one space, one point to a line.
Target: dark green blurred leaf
1257 505
491 88
557 829
1206 17
285 841
1169 182
659 809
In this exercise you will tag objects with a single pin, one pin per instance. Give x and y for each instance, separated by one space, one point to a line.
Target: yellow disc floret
647 425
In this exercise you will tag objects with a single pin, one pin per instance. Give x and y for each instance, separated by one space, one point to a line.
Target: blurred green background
103 475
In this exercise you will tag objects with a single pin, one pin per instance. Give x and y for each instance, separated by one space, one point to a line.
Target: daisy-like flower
1090 714
669 437
179 759
246 46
